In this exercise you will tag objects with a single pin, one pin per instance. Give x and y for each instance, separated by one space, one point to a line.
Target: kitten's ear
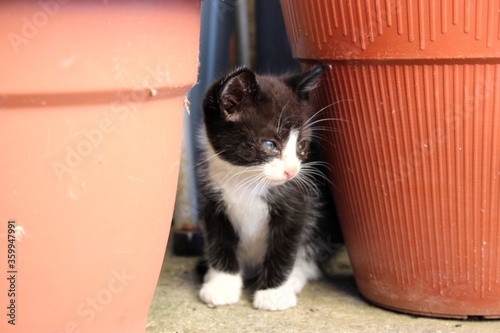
302 84
237 88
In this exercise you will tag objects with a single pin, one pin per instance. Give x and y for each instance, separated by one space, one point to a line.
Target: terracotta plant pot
415 152
91 105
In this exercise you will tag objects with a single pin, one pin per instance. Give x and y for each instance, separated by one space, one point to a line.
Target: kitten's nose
290 173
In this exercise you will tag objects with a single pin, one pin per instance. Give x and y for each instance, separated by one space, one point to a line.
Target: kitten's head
253 120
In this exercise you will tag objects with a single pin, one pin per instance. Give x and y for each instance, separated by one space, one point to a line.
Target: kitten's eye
302 145
270 146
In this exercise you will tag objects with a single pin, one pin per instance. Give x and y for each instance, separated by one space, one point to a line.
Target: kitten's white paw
303 271
221 288
276 299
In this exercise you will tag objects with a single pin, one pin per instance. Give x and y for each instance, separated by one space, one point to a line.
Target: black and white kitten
263 210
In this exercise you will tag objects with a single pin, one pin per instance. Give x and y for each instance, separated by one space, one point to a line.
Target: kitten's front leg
223 282
220 288
276 289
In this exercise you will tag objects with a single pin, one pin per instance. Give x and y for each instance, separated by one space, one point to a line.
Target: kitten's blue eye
269 146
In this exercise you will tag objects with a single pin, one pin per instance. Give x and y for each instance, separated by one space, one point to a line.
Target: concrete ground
328 305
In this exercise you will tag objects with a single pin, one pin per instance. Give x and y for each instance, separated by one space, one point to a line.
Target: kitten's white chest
246 208
250 217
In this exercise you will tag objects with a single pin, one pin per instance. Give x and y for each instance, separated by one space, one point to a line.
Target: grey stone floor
331 304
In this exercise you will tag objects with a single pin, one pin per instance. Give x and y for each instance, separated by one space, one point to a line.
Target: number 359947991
11 245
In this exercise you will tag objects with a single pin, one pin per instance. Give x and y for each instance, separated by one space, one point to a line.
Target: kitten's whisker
237 173
328 129
305 186
251 180
316 133
208 158
309 125
256 183
249 183
318 163
313 171
230 175
279 119
324 108
318 112
321 137
257 189
246 182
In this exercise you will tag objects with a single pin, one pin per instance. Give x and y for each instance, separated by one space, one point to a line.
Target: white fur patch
275 299
287 166
290 151
221 288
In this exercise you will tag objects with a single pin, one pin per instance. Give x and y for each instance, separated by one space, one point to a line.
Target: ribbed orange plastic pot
412 91
91 106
